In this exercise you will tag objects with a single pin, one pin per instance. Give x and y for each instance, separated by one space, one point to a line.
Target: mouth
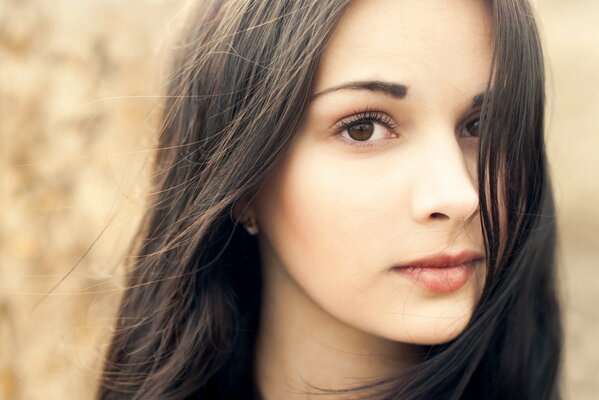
441 273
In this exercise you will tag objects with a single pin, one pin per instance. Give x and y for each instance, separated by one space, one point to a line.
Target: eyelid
368 114
474 113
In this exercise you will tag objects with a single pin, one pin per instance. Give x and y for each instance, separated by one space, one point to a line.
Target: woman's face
383 169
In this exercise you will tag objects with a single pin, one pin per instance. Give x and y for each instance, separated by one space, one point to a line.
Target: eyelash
368 115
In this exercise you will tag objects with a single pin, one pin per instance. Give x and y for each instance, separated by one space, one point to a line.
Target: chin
431 331
421 326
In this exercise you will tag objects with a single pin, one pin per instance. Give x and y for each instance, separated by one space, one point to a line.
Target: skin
335 218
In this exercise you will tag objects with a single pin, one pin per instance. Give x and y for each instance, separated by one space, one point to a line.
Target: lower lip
439 279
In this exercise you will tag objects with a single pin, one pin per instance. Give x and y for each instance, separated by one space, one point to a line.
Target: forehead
432 46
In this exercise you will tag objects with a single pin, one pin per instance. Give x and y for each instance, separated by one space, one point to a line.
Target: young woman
317 225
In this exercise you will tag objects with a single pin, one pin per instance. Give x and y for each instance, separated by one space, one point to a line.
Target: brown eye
361 131
473 127
368 128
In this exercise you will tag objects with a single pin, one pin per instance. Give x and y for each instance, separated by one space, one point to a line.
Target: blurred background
80 86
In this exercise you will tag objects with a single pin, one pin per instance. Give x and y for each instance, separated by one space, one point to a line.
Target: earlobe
243 213
250 225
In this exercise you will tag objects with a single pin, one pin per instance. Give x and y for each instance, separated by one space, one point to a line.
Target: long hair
240 82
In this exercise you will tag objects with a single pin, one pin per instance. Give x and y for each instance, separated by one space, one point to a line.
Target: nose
446 186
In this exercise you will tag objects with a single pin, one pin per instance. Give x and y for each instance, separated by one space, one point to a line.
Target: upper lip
444 260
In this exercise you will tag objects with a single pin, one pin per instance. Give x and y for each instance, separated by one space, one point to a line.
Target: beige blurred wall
79 87
571 34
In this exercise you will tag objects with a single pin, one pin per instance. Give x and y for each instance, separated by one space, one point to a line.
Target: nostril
438 215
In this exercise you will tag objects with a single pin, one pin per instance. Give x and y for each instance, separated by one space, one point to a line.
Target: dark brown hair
241 81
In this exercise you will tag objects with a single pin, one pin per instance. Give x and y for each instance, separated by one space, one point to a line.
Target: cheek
322 217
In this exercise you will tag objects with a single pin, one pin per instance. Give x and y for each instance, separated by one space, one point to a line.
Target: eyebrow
394 90
477 101
391 89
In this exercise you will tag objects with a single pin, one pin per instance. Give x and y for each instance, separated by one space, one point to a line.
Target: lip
444 260
441 272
